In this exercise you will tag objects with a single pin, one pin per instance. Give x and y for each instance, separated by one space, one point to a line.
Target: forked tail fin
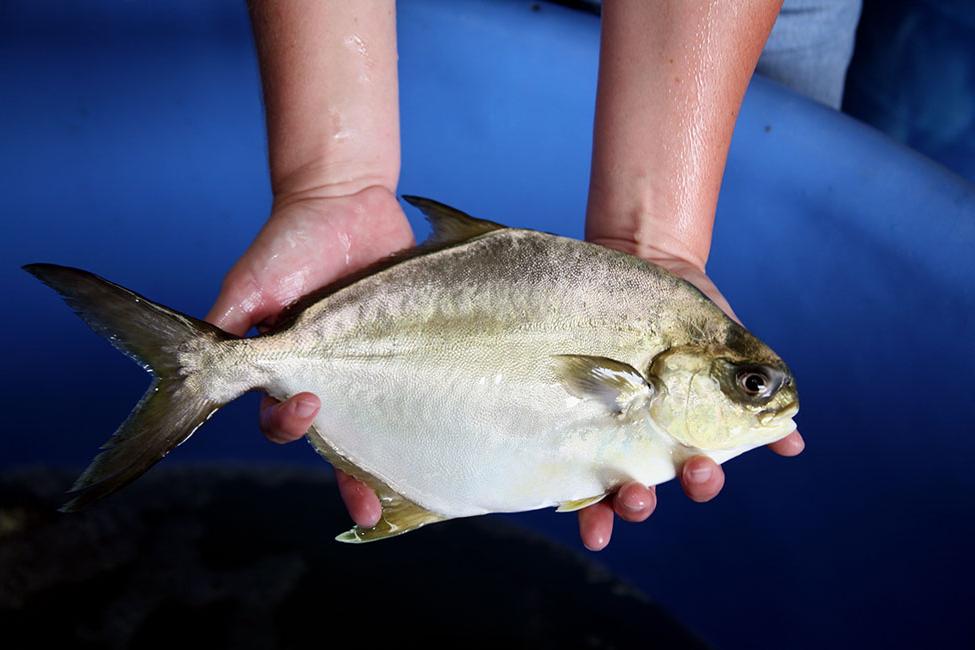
155 337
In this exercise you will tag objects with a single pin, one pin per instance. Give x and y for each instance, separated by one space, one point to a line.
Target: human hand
309 241
659 151
701 477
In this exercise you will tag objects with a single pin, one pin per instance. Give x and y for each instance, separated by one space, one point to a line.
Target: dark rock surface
245 558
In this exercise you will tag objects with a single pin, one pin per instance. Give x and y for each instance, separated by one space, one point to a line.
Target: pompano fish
490 369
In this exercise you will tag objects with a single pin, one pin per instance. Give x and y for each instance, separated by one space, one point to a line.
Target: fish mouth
769 416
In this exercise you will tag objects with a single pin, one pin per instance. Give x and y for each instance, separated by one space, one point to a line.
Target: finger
791 445
361 502
635 502
596 525
284 422
241 302
701 478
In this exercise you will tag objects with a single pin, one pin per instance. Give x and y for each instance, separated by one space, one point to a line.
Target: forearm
330 93
672 75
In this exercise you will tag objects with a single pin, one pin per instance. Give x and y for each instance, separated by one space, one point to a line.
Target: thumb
240 304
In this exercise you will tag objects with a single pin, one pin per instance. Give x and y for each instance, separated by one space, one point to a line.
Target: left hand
701 477
308 242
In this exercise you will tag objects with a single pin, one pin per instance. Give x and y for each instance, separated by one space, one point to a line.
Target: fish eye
755 382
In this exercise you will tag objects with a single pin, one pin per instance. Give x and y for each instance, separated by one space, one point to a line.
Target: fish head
735 395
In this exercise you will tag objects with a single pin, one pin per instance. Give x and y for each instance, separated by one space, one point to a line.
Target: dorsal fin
450 226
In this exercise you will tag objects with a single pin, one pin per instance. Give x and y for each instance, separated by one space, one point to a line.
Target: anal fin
399 515
579 504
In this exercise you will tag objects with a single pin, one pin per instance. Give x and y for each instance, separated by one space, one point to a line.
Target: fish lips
768 416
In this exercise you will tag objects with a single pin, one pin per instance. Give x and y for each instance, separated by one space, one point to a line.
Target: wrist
643 225
368 223
321 178
330 95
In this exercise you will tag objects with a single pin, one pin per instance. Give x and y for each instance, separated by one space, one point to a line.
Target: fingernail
632 503
373 519
699 474
305 408
635 506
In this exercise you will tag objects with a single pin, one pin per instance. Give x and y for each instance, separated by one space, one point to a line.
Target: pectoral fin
579 504
400 515
618 385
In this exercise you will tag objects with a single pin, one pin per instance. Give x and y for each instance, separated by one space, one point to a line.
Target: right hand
700 477
310 240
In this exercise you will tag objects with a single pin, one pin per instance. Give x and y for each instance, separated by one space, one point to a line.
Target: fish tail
169 345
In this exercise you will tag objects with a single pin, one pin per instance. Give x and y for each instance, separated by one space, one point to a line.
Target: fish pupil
754 383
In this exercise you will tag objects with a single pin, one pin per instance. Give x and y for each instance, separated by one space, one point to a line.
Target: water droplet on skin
293 238
346 243
291 286
356 44
340 130
270 260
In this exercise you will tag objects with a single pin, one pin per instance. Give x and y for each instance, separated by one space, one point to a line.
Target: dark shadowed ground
245 558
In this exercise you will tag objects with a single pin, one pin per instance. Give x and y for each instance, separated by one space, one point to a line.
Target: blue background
913 76
133 146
